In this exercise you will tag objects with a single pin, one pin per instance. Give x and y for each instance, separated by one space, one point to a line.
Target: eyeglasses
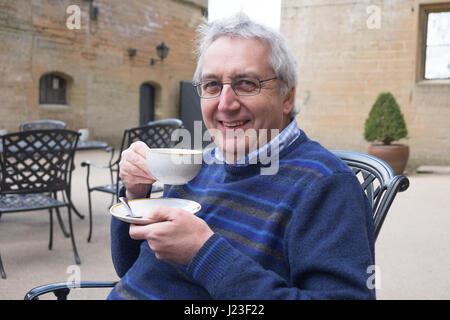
247 86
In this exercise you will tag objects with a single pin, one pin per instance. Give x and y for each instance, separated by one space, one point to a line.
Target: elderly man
304 231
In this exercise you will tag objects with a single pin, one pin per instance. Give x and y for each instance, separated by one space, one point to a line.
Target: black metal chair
156 134
2 269
48 125
376 178
42 124
378 181
34 166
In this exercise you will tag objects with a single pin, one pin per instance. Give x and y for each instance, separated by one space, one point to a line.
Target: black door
190 111
146 103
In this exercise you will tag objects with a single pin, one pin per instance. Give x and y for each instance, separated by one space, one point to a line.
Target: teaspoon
130 212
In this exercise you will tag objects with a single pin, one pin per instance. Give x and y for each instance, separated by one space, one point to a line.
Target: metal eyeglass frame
233 83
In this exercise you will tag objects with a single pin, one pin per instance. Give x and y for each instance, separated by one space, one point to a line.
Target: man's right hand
134 172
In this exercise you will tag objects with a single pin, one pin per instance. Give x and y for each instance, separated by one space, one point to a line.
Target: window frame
424 10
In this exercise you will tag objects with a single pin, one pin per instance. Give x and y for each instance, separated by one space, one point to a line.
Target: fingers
134 162
131 170
161 218
149 232
140 148
133 165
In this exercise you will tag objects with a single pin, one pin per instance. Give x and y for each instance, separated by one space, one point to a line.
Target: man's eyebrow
208 76
246 75
236 76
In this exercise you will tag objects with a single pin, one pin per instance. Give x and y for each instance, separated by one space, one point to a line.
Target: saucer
142 206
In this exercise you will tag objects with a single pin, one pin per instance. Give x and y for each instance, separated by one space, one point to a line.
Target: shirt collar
272 148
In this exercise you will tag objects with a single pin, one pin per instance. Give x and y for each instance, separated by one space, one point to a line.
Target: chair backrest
42 124
156 134
169 121
37 161
377 180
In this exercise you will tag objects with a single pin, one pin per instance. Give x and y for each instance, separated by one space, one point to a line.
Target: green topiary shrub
385 122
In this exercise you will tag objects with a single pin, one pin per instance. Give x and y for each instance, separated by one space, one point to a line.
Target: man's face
228 115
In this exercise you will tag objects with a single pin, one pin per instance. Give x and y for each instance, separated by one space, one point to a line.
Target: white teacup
174 166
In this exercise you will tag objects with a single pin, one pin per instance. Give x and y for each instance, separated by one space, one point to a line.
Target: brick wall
344 65
103 81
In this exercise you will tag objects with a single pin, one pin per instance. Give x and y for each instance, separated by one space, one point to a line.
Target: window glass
437 59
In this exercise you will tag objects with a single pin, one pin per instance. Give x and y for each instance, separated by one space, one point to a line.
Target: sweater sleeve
124 250
328 246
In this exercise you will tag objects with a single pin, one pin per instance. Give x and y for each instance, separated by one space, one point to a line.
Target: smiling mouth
235 124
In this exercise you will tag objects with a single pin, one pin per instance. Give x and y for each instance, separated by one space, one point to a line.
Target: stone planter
396 155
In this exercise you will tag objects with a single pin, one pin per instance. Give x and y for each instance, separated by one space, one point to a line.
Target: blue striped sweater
304 233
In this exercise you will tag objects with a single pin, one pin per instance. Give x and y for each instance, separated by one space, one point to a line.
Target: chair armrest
62 289
94 164
403 183
113 167
399 183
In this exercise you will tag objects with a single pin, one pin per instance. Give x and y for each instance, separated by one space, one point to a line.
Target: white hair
240 25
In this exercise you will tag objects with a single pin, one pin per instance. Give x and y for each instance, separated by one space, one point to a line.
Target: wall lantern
162 51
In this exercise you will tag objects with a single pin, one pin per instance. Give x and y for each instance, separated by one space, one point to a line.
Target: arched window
52 89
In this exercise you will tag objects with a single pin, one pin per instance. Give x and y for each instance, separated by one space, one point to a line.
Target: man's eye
210 85
247 85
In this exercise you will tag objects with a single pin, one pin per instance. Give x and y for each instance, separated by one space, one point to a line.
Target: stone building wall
344 65
103 81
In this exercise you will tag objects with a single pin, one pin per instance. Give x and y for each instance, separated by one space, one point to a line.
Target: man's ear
288 101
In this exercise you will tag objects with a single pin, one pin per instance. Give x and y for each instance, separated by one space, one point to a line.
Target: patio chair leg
58 216
62 294
73 207
77 212
61 224
2 270
90 217
50 241
75 251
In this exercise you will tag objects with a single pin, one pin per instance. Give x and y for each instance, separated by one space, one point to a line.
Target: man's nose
228 99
